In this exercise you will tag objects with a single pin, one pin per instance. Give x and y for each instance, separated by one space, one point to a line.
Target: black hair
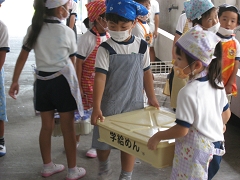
229 8
37 22
206 14
86 22
214 68
116 18
141 1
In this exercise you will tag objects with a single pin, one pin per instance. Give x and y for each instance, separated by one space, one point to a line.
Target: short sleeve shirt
4 38
182 20
154 10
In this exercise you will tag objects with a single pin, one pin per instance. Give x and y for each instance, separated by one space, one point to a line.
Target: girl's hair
204 15
214 68
37 22
116 18
86 22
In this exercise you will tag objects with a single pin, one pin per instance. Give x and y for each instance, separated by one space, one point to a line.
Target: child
71 20
122 71
204 15
154 24
55 46
229 18
86 55
4 48
141 28
202 107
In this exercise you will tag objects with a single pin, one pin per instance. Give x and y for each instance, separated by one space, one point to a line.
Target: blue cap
128 9
195 8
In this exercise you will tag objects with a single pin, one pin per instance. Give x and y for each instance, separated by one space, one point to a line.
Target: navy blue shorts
54 94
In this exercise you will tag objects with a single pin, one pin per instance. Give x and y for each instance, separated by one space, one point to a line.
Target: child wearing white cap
57 86
202 107
4 48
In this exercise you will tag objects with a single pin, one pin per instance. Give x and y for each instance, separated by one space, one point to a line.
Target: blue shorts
3 113
54 94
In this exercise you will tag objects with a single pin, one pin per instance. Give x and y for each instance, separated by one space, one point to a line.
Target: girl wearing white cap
202 108
57 87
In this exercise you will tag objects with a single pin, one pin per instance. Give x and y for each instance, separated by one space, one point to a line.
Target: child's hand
153 102
228 89
153 142
13 91
96 115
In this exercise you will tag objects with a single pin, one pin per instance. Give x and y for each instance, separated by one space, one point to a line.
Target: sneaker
79 173
55 168
105 176
92 153
2 150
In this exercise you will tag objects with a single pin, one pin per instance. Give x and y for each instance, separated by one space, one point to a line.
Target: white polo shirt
4 37
154 10
55 44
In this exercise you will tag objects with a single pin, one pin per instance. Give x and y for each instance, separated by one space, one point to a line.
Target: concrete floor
23 159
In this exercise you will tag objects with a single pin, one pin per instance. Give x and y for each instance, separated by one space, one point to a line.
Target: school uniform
124 64
57 85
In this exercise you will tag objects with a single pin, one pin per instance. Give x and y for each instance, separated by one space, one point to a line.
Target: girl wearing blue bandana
122 71
202 108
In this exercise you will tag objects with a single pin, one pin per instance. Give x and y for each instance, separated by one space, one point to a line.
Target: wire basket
160 72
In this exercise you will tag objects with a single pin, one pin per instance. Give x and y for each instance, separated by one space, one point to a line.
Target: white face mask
225 32
214 28
68 14
119 36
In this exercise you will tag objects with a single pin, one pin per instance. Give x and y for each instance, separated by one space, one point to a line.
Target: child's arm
79 64
228 86
98 89
174 132
225 117
22 58
148 86
156 22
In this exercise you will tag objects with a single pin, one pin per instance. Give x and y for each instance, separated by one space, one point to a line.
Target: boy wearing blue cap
4 48
122 71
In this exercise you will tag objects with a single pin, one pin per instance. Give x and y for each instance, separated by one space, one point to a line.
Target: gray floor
23 160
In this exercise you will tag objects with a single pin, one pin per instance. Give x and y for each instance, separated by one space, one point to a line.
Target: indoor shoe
2 150
92 153
79 173
50 170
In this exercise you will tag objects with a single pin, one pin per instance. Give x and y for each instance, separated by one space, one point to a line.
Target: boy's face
121 26
210 20
228 20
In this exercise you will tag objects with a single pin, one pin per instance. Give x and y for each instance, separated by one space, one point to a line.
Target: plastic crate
131 131
82 124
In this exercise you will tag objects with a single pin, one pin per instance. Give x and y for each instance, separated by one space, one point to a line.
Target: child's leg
104 165
69 137
2 142
45 135
127 162
215 163
1 128
152 54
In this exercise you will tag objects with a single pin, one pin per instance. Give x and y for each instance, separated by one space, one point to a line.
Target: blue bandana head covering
128 9
195 8
1 1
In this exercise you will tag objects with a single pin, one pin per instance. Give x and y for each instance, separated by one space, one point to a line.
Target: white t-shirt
154 10
55 43
4 37
201 106
132 46
181 24
139 31
87 43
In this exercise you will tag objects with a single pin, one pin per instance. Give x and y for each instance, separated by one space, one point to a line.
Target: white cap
50 4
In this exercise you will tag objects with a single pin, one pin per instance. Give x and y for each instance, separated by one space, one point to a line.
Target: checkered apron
193 154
